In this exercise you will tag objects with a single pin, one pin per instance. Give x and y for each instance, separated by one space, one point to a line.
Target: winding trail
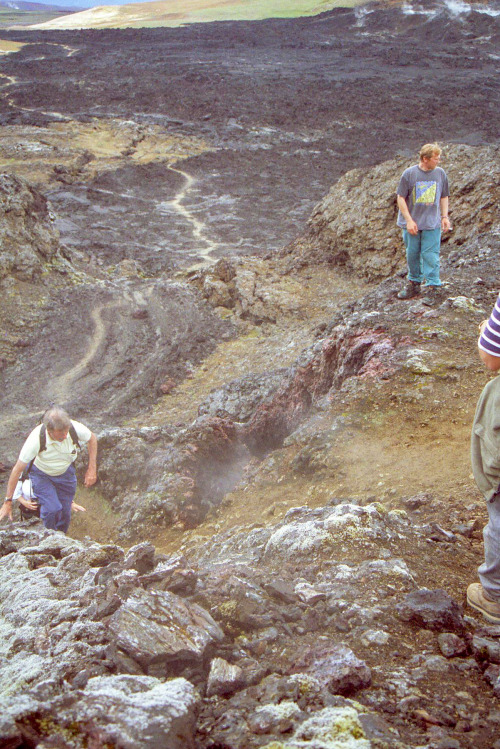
198 227
61 387
71 50
175 205
12 80
206 245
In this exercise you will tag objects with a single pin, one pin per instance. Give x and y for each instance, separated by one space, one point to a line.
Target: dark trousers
55 495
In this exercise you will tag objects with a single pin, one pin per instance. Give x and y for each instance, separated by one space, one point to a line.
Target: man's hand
28 503
90 477
445 224
77 508
6 511
411 227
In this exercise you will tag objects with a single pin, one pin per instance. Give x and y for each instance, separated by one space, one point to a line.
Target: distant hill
180 12
20 5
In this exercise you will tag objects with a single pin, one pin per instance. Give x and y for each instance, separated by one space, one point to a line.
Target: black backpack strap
43 438
26 473
74 436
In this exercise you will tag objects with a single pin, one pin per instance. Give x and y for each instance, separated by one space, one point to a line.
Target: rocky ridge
291 635
354 226
28 237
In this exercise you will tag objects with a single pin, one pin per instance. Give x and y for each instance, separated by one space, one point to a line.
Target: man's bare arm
411 225
91 473
15 475
490 362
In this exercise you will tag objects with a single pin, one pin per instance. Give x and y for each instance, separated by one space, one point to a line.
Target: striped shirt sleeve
490 337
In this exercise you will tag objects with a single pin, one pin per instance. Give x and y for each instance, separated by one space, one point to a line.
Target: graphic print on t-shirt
425 192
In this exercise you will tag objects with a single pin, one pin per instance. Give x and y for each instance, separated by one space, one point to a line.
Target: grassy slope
8 46
179 12
10 17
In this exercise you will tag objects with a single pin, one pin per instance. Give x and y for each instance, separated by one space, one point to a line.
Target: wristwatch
8 499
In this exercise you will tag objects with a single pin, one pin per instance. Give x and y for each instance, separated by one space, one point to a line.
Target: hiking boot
433 295
411 289
481 601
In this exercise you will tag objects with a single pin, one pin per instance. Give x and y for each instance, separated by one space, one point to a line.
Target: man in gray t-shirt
422 197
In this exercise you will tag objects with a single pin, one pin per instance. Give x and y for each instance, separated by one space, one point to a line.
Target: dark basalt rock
486 649
336 667
65 619
451 645
173 574
28 237
431 609
492 676
140 558
224 678
157 627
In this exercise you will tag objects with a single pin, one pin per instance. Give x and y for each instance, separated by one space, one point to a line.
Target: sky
81 4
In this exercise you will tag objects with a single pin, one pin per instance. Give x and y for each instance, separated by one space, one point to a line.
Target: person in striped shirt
489 339
485 454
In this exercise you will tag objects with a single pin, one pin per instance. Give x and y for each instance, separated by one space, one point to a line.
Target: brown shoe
476 597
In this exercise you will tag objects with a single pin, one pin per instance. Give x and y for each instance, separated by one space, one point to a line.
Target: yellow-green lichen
331 728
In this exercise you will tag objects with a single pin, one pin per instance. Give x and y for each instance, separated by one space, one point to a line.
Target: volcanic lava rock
451 645
156 628
431 609
28 237
354 226
224 678
337 668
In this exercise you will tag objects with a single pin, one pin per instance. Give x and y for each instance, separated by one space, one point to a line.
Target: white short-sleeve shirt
57 456
24 489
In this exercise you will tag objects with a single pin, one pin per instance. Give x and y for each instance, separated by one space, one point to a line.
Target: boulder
157 628
122 710
432 609
28 236
224 678
133 711
335 667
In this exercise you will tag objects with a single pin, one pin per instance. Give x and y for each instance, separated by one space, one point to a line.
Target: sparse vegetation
178 13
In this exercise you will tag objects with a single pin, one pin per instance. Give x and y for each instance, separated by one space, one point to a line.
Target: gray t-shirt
422 191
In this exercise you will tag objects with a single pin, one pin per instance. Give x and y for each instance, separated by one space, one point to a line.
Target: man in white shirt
50 450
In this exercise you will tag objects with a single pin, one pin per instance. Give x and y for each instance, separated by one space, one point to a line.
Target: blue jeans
55 495
422 255
489 571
